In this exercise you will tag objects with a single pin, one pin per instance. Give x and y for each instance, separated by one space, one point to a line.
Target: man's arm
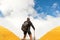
32 26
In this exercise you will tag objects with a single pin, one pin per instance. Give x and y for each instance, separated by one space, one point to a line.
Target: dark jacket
27 27
30 25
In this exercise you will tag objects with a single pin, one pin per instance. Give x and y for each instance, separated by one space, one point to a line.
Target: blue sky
47 6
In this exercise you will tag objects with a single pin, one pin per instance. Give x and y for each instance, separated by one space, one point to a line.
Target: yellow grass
5 34
52 35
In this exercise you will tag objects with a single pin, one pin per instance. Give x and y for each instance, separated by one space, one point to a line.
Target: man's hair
28 19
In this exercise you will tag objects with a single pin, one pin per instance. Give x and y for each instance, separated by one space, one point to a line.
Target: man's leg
30 35
24 35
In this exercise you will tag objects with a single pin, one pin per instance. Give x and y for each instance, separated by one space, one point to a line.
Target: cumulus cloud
55 10
58 13
18 6
54 5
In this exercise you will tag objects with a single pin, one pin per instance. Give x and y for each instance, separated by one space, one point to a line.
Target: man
27 29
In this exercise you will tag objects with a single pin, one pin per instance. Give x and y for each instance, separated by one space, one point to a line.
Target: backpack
24 26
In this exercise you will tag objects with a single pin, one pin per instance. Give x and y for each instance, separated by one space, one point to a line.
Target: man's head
28 19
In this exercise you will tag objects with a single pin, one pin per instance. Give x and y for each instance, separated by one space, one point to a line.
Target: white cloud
16 6
58 13
21 8
54 5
